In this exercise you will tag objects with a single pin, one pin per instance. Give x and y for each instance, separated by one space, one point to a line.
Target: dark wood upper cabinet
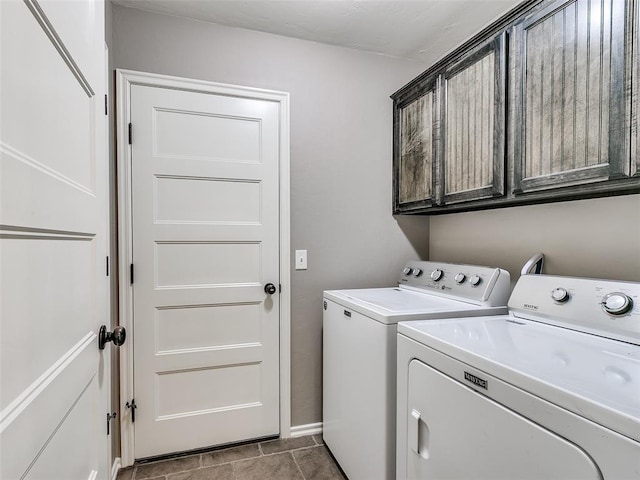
415 120
569 96
541 106
472 146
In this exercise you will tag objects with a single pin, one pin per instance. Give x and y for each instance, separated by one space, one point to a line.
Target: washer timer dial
616 303
560 294
475 281
437 274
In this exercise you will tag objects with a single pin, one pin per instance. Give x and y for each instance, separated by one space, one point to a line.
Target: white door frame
125 79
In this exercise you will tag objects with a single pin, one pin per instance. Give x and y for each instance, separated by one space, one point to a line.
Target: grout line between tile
305 448
297 465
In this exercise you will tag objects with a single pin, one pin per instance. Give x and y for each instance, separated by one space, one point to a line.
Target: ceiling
420 30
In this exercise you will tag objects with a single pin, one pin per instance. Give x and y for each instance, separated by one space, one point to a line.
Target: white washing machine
550 391
359 353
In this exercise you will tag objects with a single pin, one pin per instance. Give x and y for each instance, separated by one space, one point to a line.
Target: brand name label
475 380
530 307
437 287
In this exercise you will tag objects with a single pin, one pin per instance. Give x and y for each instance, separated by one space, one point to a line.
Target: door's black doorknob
270 289
118 336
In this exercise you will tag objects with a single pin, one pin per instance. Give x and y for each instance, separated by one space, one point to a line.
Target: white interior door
53 243
205 242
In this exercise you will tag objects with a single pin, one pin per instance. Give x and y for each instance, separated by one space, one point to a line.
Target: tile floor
301 458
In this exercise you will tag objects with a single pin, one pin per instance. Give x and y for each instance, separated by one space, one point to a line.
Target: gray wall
340 157
597 238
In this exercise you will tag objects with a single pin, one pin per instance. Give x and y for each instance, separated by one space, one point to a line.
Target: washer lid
593 377
391 305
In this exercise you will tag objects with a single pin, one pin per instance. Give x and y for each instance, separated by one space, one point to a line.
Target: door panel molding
125 80
45 403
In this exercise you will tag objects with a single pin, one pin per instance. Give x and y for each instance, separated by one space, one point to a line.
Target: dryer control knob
407 270
475 281
417 272
460 278
437 274
616 303
560 294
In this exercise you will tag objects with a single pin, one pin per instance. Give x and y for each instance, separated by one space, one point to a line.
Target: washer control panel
604 307
476 284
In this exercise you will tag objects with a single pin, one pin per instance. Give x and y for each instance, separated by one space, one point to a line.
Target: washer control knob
417 272
475 280
460 278
437 274
560 294
616 303
407 270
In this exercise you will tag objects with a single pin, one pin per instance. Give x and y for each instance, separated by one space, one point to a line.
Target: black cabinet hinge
279 288
107 264
130 133
132 405
131 273
106 104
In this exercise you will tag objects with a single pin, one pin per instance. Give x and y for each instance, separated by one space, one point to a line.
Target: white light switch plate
301 259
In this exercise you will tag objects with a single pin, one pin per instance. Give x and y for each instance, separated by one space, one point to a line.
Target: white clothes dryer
550 391
359 353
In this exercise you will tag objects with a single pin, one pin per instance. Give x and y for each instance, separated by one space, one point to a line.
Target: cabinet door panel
415 137
569 96
473 125
415 155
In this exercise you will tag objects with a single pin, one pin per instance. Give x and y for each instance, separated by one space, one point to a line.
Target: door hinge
130 133
110 416
131 273
279 288
132 405
106 104
107 264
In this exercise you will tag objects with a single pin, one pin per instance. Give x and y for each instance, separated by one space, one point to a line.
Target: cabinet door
569 95
473 123
415 142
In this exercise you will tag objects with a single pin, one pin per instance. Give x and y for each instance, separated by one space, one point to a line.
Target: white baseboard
115 468
308 429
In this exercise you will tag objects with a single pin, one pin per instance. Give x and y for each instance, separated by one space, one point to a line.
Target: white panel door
205 243
457 433
53 243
